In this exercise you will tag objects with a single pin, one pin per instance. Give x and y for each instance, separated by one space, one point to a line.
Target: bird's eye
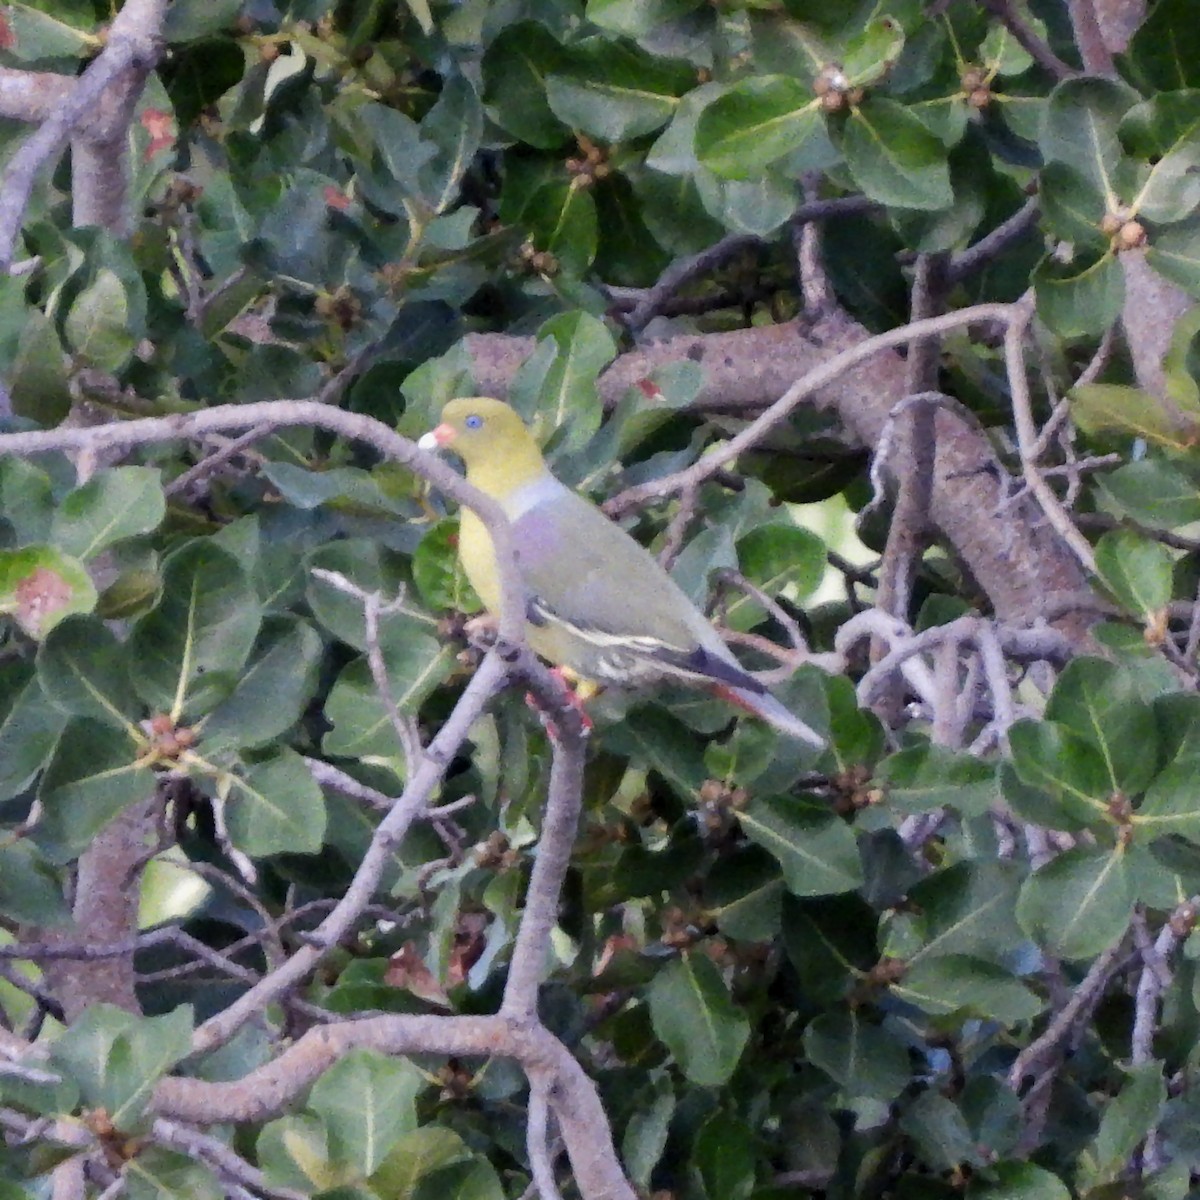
473 421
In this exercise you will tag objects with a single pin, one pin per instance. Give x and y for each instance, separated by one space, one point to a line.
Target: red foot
571 696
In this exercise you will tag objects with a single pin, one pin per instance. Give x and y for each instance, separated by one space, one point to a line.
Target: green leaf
437 572
1171 804
272 690
1136 570
872 51
367 1102
1080 298
960 983
1079 128
39 377
515 67
35 36
831 941
1164 52
862 1059
97 327
454 125
275 807
30 890
927 777
894 158
1101 406
653 738
117 1057
724 1157
1099 701
417 1155
1126 1122
1079 903
939 1132
1072 208
1175 255
118 503
1017 1181
562 396
92 776
755 123
1154 492
777 559
396 138
157 1173
562 221
695 1019
39 587
1165 132
361 725
28 735
614 91
1059 761
646 1135
84 671
743 895
967 908
817 850
755 206
204 623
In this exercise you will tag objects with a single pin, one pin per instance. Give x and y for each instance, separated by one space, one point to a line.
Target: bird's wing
588 576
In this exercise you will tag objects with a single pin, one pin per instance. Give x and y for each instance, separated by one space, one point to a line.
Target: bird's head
482 432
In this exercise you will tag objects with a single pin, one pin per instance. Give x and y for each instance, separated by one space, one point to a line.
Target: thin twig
537 1140
1027 434
560 822
1028 40
1034 1058
812 381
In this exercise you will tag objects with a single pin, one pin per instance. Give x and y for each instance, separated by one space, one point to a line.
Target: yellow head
491 439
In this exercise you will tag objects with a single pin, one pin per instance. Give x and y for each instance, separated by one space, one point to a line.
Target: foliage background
948 956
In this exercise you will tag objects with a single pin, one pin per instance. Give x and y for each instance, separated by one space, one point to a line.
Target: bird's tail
764 706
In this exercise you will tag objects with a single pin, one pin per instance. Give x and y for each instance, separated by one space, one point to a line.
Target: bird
597 602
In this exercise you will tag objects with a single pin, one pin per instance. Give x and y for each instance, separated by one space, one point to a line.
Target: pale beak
437 438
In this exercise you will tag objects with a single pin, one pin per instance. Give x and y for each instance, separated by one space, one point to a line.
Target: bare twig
1035 1058
132 45
560 822
1028 40
993 244
537 1139
1089 39
809 383
1027 434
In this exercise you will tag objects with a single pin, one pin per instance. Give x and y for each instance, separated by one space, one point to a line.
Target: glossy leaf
1136 571
816 850
367 1102
861 1058
754 124
112 505
84 671
894 158
924 778
205 622
272 691
1099 702
93 774
275 807
693 1014
1079 903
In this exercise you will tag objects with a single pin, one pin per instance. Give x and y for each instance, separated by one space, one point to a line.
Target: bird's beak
437 438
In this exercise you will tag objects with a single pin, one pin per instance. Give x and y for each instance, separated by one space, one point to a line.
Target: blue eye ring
473 421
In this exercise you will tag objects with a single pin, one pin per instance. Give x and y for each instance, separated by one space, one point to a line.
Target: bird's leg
576 693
